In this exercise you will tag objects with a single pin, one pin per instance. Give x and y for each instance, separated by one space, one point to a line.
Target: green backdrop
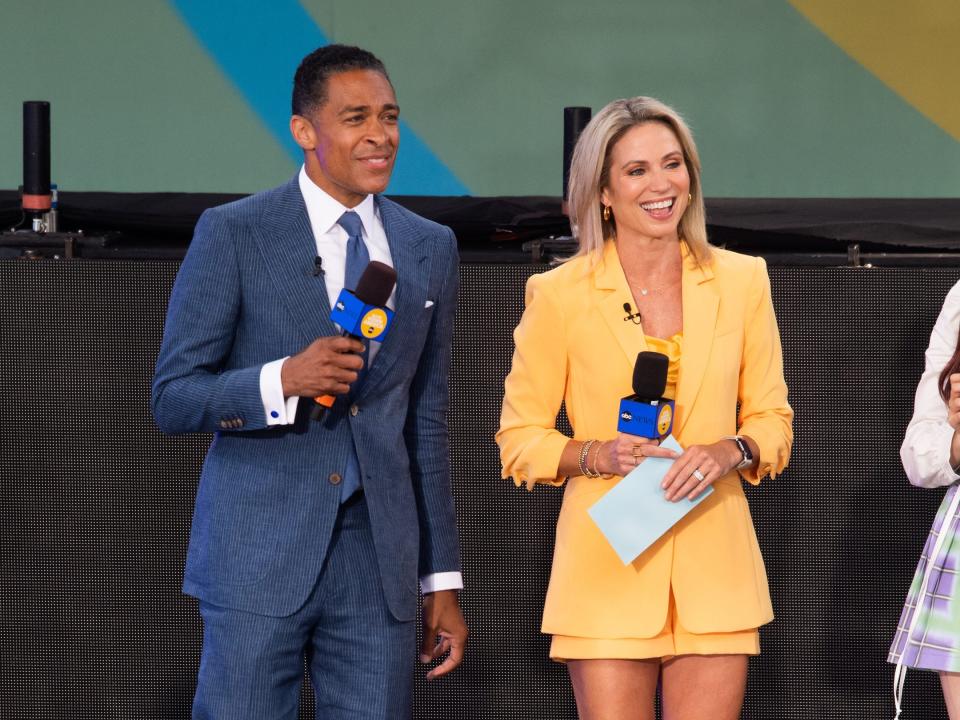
785 99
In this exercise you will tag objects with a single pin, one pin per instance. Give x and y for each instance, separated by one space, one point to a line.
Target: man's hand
444 631
327 366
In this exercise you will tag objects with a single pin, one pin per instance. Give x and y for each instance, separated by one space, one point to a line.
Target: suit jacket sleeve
194 390
530 444
926 446
765 414
426 433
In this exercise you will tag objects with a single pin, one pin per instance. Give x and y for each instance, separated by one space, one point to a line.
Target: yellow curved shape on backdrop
912 47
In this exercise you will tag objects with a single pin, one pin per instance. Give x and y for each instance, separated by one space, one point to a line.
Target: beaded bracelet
582 460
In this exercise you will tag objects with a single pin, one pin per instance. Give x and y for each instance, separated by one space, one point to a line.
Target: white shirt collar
325 211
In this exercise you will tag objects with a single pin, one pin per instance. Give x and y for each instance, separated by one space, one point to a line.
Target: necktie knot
351 222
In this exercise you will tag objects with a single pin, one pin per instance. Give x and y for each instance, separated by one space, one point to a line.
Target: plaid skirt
934 643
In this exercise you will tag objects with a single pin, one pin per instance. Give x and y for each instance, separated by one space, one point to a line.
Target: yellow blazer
573 346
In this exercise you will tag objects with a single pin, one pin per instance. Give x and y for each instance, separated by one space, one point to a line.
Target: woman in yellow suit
686 611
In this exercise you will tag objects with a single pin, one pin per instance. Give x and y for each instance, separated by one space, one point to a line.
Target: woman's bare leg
614 689
950 682
704 687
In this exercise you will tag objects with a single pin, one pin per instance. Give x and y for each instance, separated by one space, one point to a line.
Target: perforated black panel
96 503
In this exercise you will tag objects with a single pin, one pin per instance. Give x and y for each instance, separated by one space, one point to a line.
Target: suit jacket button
239 422
335 478
224 424
354 410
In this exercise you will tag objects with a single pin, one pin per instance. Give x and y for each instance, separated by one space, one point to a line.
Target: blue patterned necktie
357 255
357 260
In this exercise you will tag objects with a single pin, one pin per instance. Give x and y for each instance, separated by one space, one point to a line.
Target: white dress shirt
926 447
331 240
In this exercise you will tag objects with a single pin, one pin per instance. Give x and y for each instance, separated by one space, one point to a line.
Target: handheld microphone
647 413
362 314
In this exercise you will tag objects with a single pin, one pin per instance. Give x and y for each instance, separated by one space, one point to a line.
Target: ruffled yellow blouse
671 348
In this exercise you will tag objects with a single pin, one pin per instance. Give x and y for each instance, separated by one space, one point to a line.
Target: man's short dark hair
310 81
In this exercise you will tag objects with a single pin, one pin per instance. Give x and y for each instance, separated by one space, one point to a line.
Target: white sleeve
277 409
926 446
441 581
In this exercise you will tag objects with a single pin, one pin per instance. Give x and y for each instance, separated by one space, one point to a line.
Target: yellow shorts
671 641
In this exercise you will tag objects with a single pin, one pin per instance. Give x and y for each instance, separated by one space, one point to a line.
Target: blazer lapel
288 247
409 255
700 306
612 286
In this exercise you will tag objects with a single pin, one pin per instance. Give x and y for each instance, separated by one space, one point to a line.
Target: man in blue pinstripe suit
310 538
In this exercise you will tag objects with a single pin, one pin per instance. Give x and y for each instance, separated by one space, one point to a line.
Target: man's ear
303 133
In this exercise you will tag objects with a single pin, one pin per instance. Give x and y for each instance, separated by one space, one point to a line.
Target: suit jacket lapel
288 247
700 306
613 290
408 254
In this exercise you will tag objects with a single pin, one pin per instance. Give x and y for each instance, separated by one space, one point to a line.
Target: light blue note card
634 513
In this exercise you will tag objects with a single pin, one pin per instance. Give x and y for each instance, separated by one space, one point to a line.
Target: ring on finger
637 451
698 475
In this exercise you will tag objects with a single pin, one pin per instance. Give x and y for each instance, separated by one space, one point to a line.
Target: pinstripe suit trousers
360 657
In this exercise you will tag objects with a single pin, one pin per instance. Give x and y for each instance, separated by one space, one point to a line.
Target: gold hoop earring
689 197
606 213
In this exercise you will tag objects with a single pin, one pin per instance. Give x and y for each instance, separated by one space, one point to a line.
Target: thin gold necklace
644 291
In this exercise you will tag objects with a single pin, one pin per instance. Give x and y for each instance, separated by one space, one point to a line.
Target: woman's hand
953 418
623 454
699 467
953 404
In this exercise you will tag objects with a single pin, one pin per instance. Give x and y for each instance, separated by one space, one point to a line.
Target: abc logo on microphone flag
359 319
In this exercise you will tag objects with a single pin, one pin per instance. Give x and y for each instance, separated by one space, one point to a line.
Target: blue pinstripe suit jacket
265 509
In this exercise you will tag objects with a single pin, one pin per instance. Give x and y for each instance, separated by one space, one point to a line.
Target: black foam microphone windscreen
376 283
575 119
650 375
36 155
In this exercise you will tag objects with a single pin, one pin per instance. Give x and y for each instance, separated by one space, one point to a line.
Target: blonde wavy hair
590 173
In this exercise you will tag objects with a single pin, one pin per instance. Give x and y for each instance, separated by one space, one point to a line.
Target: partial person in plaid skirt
928 636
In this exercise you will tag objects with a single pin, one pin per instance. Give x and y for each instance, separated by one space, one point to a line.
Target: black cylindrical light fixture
36 156
575 119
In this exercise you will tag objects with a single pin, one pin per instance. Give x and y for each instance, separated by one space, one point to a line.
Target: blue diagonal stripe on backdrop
258 45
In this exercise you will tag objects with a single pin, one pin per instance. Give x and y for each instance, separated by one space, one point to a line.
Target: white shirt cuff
277 409
441 581
926 454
